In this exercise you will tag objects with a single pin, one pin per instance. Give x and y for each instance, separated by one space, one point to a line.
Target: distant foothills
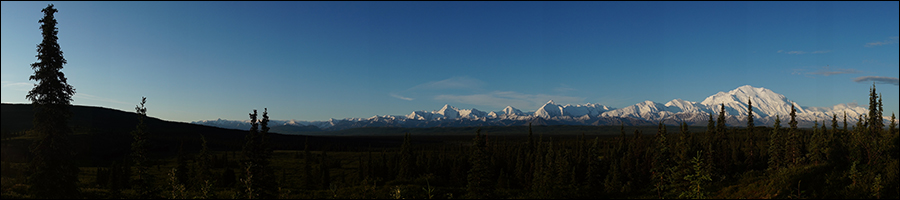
766 105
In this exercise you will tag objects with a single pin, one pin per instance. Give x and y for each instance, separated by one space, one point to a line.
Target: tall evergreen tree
140 146
258 152
793 122
776 145
480 179
794 144
893 126
53 171
834 124
720 122
876 124
845 122
662 161
203 179
749 115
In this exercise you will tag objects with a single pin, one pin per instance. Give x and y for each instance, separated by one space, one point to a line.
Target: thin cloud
878 80
18 86
825 71
890 40
459 82
803 52
563 88
507 98
401 97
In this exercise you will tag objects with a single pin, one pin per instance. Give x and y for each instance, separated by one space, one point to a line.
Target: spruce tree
480 179
876 124
661 162
594 173
203 179
776 145
720 122
893 126
53 171
749 115
834 123
845 122
139 147
258 152
793 122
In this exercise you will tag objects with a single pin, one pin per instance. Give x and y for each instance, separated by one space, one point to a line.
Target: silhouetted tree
53 171
776 145
750 115
203 179
662 162
845 122
139 146
258 152
793 122
720 122
876 124
834 124
480 179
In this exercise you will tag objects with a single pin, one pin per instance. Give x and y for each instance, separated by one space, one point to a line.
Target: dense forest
53 159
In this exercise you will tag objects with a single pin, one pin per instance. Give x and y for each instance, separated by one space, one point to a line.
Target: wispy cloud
18 86
459 82
878 80
563 88
803 52
507 98
96 98
401 97
826 71
890 40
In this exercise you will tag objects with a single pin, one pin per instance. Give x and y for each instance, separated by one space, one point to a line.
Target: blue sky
321 60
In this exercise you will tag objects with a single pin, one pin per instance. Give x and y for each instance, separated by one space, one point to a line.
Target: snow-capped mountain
766 106
447 112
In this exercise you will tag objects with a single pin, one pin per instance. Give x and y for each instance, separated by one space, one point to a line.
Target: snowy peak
548 110
590 110
765 102
644 110
449 112
509 110
679 105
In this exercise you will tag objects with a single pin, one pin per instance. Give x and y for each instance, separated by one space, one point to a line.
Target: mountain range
766 106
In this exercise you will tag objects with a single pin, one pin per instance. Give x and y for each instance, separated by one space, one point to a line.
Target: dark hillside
103 135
